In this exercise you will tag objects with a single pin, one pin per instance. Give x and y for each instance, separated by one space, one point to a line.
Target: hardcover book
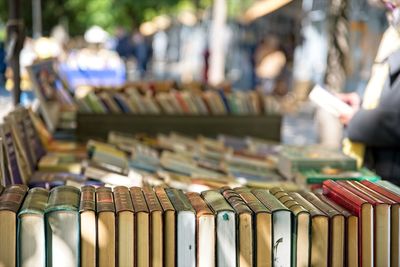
365 212
205 231
185 228
226 227
299 254
10 202
125 227
88 229
31 229
294 159
169 229
156 228
352 232
106 237
142 223
62 227
262 227
337 229
245 227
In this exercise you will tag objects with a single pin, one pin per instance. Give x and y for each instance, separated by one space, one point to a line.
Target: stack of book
349 224
185 101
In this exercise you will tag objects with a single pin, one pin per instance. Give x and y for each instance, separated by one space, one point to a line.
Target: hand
352 99
346 118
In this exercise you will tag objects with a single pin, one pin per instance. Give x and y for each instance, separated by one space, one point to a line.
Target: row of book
30 156
175 102
350 224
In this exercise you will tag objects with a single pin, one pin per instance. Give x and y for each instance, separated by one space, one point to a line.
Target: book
31 229
262 227
381 221
126 225
328 101
16 167
226 227
142 225
156 227
88 226
185 228
106 226
4 170
50 180
389 186
337 229
294 159
351 236
10 202
281 203
206 229
361 208
169 221
60 162
319 232
395 219
282 226
309 177
245 227
62 227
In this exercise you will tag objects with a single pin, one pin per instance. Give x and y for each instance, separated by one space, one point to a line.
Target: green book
185 227
31 229
389 186
226 227
294 159
308 177
282 225
95 103
62 227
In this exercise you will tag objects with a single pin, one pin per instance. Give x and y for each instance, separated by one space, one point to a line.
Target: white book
329 102
282 239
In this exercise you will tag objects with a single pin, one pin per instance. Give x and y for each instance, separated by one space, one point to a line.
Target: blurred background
279 47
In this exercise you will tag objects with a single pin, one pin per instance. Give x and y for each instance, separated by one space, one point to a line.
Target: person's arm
378 127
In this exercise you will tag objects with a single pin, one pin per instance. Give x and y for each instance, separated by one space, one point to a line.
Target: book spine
64 196
198 204
163 198
152 201
236 201
254 204
138 200
105 200
123 201
35 201
88 199
12 197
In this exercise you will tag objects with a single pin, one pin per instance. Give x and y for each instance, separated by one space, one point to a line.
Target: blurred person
124 45
373 128
141 52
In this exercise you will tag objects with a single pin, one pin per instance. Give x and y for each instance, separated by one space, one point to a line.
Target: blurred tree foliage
79 15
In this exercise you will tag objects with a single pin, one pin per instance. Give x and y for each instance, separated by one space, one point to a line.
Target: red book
395 219
182 102
360 207
382 212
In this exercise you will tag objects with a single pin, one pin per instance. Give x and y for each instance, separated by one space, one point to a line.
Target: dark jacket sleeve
379 127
